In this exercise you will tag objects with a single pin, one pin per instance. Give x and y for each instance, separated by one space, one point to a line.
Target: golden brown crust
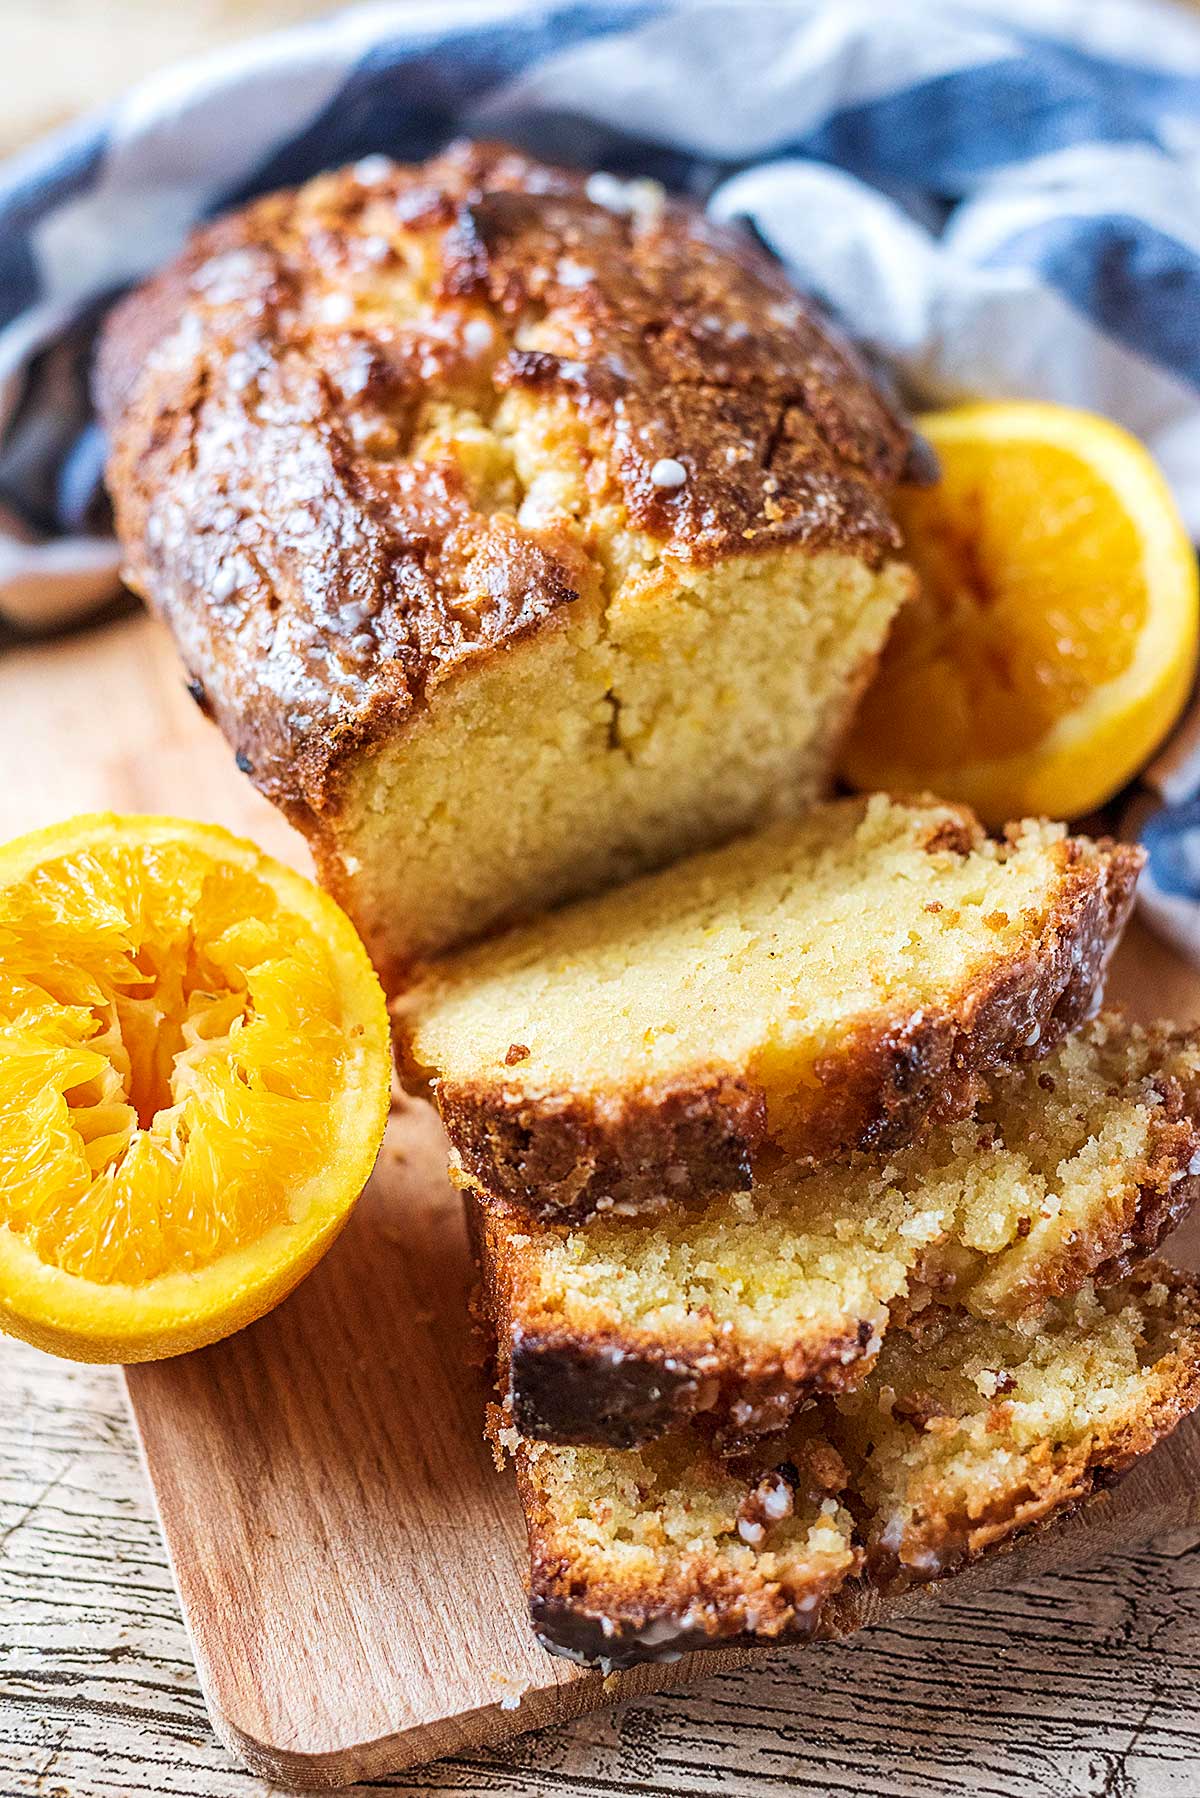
1169 1177
620 1389
568 1155
941 1537
571 1155
589 1618
1155 1207
262 393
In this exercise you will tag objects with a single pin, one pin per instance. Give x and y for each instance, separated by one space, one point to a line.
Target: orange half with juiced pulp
1053 640
194 1082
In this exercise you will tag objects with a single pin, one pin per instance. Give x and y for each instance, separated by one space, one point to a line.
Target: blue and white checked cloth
1001 198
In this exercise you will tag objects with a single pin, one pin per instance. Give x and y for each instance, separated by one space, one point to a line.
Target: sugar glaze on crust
569 1155
322 579
594 1620
559 1384
942 1538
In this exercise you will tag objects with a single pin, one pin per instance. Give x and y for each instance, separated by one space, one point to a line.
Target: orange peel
1053 642
194 1081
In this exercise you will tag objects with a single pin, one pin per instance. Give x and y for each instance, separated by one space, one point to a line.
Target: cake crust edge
566 1156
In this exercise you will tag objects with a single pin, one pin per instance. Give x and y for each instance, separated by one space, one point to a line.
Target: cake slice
648 1553
968 1429
617 1331
520 530
822 986
965 1433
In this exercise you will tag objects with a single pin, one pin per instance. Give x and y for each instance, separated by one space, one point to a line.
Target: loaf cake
965 1432
823 985
617 1331
520 530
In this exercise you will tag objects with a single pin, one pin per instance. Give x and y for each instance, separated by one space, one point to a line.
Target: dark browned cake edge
261 395
615 1627
568 1155
613 1391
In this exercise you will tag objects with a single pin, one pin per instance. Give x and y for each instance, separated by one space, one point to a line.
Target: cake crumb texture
619 1330
517 539
795 988
966 1433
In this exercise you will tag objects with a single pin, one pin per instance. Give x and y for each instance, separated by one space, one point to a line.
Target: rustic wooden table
1086 1685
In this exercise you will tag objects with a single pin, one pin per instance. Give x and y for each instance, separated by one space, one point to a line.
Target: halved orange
1053 641
194 1081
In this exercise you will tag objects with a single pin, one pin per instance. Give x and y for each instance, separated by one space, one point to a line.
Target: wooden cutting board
348 1559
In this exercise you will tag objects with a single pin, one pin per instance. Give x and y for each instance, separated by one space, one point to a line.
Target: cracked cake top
369 431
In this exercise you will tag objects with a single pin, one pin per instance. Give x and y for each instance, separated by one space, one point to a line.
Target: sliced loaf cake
616 1331
965 1433
821 986
645 1554
520 530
